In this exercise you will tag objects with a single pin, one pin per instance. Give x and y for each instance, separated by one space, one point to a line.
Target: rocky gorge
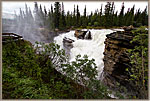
114 58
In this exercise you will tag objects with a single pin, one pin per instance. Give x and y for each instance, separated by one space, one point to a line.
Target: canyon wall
116 59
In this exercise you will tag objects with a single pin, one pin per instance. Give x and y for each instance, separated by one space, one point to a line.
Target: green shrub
139 60
96 24
89 24
83 71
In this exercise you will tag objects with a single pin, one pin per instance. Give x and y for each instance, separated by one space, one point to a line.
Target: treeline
56 18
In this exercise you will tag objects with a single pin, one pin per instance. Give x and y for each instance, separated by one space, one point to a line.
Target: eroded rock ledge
116 59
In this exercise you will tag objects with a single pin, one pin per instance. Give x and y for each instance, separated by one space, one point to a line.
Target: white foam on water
59 39
92 48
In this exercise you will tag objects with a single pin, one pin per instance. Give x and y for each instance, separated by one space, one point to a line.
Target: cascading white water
92 48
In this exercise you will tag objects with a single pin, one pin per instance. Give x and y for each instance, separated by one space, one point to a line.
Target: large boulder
83 34
67 44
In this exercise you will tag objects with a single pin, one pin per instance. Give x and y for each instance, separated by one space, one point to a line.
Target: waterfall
92 48
87 34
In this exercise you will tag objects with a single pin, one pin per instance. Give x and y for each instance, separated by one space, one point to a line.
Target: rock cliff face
116 59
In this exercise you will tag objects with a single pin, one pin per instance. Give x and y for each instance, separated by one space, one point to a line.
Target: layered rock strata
116 59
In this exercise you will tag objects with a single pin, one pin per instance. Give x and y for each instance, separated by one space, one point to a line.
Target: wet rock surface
83 34
116 59
68 44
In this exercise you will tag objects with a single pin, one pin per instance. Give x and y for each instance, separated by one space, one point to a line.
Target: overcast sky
10 7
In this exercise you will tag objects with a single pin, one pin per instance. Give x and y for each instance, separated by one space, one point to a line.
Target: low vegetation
30 73
139 60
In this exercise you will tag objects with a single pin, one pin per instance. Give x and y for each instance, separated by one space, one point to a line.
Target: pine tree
62 22
45 11
26 14
36 14
51 17
84 18
115 19
138 18
41 15
30 16
129 16
52 9
121 16
107 20
112 13
78 17
100 17
145 17
69 20
90 19
57 10
74 17
26 8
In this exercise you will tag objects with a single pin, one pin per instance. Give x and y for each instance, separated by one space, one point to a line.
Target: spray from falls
26 24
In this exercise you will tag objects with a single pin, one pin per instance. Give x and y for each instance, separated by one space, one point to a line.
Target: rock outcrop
116 59
82 34
67 44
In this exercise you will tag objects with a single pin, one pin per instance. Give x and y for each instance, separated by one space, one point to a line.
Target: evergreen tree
107 20
26 8
115 19
21 15
51 25
67 20
90 19
52 9
26 15
144 17
112 8
138 18
41 15
84 18
78 17
45 17
100 17
57 10
121 16
94 19
74 16
37 15
130 16
52 18
31 19
62 22
45 11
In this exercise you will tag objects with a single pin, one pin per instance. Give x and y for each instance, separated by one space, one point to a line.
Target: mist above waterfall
27 24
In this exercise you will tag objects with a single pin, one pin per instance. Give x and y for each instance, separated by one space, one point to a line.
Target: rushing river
92 48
